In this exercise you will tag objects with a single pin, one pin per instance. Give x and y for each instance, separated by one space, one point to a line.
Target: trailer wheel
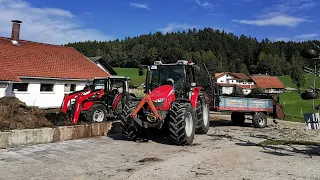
97 113
128 126
238 119
259 120
203 116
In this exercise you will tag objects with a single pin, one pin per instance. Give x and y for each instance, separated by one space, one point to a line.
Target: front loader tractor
177 98
103 99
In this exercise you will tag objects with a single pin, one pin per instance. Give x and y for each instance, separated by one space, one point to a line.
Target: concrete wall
26 137
34 97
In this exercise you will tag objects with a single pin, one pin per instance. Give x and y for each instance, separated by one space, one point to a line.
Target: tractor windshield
98 84
161 74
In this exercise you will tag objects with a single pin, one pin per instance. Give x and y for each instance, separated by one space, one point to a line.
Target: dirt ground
226 152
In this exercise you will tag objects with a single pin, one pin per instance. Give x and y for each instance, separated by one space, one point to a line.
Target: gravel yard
226 152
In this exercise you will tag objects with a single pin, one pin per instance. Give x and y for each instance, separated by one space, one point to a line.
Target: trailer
258 108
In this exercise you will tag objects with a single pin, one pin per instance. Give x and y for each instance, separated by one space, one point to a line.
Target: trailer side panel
245 104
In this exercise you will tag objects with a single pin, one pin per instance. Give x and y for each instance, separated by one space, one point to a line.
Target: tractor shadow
155 135
224 122
286 149
282 148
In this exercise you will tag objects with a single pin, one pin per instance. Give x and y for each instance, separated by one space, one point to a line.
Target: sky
63 21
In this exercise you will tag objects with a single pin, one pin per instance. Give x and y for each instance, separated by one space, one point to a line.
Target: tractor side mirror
309 95
310 53
140 71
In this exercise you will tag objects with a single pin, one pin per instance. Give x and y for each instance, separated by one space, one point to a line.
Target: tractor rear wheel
182 123
203 116
129 128
97 113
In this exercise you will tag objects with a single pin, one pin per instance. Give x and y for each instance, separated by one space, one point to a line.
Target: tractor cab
181 75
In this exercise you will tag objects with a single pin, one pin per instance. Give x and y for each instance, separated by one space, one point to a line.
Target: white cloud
175 26
48 25
138 5
307 36
282 39
204 4
279 20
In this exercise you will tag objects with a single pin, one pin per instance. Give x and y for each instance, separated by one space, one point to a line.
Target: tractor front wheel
97 113
129 128
182 123
203 116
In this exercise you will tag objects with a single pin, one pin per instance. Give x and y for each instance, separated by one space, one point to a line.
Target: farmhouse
270 84
40 74
227 82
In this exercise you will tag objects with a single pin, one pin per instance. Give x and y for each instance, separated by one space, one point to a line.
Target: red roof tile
268 82
32 59
240 76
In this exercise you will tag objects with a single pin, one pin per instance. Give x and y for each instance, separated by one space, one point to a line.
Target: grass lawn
133 73
295 107
286 80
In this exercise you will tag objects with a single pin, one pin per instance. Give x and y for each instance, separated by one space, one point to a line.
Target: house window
22 87
72 87
46 87
69 87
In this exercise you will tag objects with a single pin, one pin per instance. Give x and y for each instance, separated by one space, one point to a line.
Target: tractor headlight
159 100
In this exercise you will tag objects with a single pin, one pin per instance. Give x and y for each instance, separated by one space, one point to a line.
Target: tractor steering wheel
114 92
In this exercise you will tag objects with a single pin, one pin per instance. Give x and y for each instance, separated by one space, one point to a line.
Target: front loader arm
79 101
68 97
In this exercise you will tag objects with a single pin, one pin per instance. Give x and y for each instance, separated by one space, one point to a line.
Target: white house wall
227 90
3 88
33 97
225 79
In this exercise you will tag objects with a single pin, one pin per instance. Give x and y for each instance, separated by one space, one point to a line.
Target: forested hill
221 51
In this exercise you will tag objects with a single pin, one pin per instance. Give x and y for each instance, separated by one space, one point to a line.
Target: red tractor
104 98
175 100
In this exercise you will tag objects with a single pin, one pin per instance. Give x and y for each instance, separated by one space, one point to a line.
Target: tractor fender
116 100
194 96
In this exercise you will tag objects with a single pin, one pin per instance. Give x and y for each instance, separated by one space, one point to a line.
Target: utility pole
314 82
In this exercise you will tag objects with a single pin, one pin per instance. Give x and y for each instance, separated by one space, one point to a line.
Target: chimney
15 32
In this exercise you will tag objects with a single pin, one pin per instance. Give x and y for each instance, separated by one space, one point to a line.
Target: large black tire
238 119
203 116
97 113
259 120
181 123
129 128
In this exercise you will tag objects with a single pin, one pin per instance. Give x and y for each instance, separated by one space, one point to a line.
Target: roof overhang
47 78
114 77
